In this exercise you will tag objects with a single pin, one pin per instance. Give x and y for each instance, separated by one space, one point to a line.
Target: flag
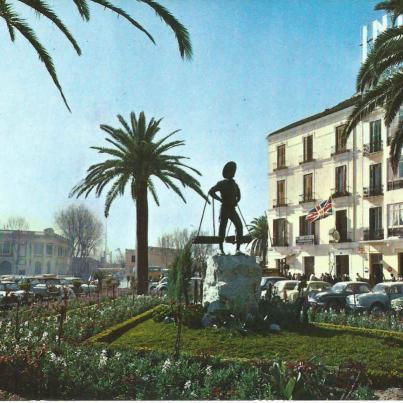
321 210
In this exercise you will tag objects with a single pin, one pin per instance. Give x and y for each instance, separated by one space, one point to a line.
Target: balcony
345 236
307 198
283 202
373 234
279 167
398 231
340 192
373 191
395 184
306 240
337 150
306 159
372 148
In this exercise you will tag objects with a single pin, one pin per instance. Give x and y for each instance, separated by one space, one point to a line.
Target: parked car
12 290
378 300
162 286
335 297
281 289
264 283
397 305
312 288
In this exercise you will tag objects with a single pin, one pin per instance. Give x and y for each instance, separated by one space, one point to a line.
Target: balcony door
308 187
281 192
341 178
375 223
342 265
375 136
375 178
375 268
281 156
280 232
341 224
308 148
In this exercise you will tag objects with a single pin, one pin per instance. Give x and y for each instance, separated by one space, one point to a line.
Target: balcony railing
280 202
372 148
306 240
398 231
373 234
307 198
395 184
278 167
340 192
345 236
372 191
305 159
336 150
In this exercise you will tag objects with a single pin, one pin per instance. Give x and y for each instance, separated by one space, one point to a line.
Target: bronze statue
230 196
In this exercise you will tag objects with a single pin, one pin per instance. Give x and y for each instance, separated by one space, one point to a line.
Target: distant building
84 268
33 252
310 163
158 260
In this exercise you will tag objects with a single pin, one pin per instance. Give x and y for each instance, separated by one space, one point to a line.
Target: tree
17 225
83 230
380 80
15 23
259 230
135 161
179 239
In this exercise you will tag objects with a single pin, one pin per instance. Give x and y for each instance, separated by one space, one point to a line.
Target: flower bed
362 320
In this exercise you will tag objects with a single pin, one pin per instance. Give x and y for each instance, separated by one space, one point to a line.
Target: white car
282 288
312 288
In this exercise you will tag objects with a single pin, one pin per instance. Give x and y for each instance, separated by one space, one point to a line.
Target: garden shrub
193 315
162 311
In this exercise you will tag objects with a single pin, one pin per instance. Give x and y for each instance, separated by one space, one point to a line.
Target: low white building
308 163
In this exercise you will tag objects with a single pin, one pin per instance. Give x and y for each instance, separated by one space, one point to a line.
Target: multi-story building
158 260
309 163
33 252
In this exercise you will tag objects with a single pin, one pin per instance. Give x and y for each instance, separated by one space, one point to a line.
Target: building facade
309 163
158 261
33 252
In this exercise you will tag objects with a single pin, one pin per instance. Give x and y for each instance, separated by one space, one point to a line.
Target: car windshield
338 287
319 286
379 288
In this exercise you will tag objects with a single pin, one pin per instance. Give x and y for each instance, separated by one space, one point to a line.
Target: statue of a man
230 196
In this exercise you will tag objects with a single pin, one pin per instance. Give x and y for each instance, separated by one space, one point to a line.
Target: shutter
310 147
275 233
302 225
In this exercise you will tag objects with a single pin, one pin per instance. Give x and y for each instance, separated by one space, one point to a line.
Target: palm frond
396 146
394 99
392 7
83 9
43 8
181 33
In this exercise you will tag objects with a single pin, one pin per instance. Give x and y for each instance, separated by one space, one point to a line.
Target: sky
258 65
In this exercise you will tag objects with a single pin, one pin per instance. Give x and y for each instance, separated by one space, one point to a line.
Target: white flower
208 370
166 366
187 385
44 335
118 355
103 359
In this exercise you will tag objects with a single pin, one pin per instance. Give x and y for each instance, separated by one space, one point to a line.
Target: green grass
330 346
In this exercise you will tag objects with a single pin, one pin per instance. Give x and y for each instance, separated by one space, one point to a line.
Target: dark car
335 297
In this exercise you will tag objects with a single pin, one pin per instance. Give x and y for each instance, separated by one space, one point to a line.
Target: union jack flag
321 210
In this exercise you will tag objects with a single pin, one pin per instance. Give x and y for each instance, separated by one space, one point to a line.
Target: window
340 143
48 267
281 192
308 148
341 224
38 248
375 136
375 223
280 232
395 214
38 268
22 249
340 175
49 249
59 251
281 156
5 248
133 258
375 179
306 227
308 186
399 174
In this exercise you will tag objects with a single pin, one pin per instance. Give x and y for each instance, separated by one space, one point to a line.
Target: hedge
113 332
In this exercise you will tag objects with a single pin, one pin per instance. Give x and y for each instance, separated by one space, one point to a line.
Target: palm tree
136 159
14 23
259 229
380 80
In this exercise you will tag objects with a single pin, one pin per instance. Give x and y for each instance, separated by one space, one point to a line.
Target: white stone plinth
232 282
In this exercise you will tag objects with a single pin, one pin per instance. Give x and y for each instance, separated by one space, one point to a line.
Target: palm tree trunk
142 238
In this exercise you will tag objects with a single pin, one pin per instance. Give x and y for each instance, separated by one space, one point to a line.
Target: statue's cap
229 170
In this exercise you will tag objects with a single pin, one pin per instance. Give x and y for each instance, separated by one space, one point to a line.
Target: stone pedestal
232 282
